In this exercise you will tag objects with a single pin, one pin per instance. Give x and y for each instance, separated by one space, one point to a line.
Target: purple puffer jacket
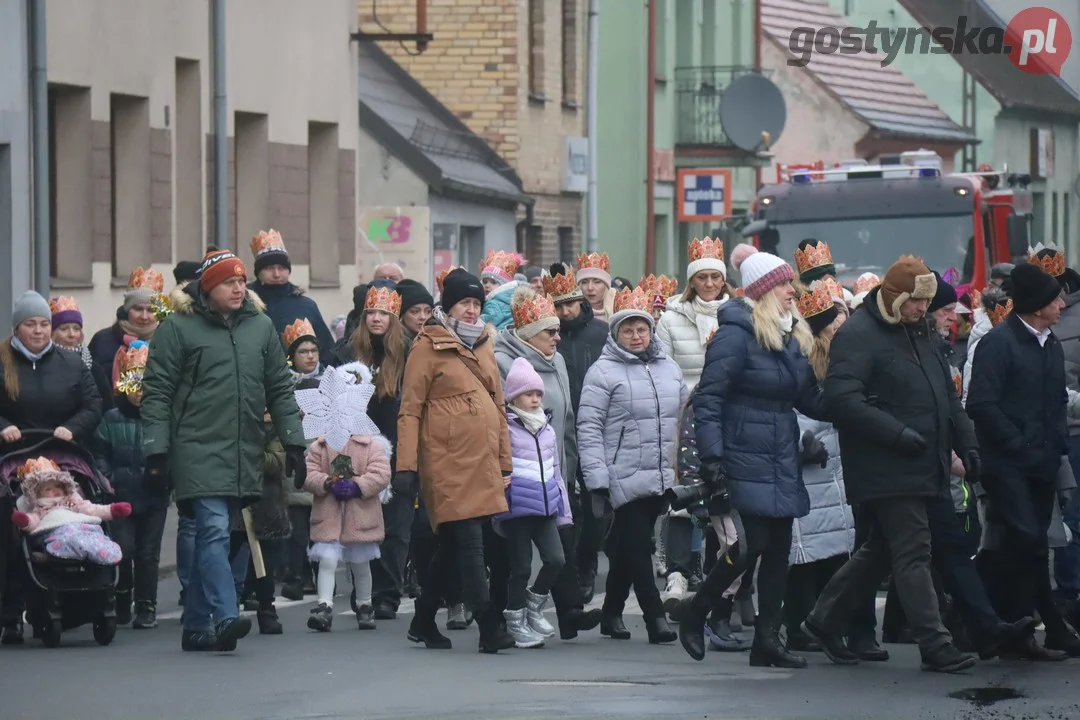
536 485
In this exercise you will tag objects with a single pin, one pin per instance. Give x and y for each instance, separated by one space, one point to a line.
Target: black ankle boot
423 628
268 621
493 636
692 614
612 626
768 651
576 621
659 631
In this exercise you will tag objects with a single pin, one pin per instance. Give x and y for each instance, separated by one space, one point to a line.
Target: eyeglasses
636 332
308 351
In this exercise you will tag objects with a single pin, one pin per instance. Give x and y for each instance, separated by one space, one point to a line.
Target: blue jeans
1067 559
211 594
185 549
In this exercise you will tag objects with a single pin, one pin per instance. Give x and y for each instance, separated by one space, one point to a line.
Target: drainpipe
39 83
757 66
221 127
650 140
592 74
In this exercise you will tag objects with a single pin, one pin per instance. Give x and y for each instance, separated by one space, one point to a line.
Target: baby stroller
59 594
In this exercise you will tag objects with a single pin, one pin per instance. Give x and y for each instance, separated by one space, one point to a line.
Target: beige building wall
131 82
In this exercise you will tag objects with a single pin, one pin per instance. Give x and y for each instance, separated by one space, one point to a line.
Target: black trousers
591 532
422 547
388 572
804 584
139 537
521 535
460 552
630 546
298 567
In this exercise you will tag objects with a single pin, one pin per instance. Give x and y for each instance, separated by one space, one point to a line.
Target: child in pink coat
348 472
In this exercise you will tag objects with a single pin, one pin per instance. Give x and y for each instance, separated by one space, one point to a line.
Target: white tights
361 576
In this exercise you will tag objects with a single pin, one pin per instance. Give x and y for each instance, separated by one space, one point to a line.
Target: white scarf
704 314
534 422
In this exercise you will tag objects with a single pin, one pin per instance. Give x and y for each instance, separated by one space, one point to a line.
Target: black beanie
272 257
532 272
186 270
1032 288
459 285
413 293
822 320
815 273
945 295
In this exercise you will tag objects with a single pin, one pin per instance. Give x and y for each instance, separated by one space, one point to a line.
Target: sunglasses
551 332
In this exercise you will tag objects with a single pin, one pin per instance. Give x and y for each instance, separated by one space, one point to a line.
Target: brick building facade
514 72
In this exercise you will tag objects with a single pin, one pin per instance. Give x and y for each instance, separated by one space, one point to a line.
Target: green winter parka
206 387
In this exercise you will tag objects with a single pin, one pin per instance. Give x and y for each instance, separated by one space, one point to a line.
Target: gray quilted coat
628 423
829 529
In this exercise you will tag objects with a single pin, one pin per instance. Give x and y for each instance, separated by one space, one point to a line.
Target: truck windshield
873 244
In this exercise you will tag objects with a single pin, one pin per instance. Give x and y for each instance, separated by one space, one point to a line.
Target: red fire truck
871 214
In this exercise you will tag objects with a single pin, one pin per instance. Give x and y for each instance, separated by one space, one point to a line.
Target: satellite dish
753 112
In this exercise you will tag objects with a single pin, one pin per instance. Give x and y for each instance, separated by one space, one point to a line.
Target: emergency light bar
913 164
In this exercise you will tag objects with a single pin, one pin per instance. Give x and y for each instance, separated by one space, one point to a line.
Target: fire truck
904 204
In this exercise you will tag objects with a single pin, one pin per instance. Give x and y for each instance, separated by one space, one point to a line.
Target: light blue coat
829 529
628 423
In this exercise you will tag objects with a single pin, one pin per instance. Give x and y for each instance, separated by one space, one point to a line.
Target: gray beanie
137 296
29 305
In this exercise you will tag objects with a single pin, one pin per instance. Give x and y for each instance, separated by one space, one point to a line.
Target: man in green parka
215 364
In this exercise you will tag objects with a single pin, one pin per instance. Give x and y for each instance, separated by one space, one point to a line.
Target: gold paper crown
561 287
63 304
706 248
836 290
36 465
132 366
813 256
958 382
532 310
443 273
816 300
383 299
504 264
976 299
267 241
866 282
298 329
661 285
595 261
146 278
636 299
1053 263
1000 312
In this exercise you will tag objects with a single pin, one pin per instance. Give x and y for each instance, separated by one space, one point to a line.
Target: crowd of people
907 431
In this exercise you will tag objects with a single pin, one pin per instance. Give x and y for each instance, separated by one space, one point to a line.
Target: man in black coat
1017 401
892 398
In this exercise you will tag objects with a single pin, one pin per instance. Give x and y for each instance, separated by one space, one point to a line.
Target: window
708 35
1038 219
1054 218
661 38
534 235
131 201
187 129
566 244
76 222
570 53
252 177
471 250
323 215
1065 221
536 50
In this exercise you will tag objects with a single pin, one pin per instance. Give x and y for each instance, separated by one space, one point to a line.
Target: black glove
910 443
405 482
813 451
972 465
712 474
156 475
296 465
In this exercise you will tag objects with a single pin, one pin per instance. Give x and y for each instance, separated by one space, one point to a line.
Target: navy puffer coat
745 416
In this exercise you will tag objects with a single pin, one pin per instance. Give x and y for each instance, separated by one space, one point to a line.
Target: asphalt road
378 674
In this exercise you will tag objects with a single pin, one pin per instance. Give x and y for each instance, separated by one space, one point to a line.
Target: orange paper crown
958 381
441 276
976 299
134 358
267 241
816 300
834 287
301 328
561 287
63 304
866 282
706 249
636 299
1052 263
503 265
146 278
659 285
383 299
813 256
36 465
1000 312
531 310
596 261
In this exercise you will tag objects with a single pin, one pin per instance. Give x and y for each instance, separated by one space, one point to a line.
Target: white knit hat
763 271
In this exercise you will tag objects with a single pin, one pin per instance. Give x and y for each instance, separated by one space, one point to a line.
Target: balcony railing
697 97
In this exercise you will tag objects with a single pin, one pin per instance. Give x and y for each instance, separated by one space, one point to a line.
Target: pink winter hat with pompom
521 379
741 252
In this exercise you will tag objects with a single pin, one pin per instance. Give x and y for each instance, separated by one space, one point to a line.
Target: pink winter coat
358 520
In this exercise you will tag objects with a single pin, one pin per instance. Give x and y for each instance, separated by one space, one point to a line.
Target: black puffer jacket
119 456
582 340
56 391
882 378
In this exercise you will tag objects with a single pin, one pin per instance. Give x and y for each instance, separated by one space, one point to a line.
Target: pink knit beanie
521 379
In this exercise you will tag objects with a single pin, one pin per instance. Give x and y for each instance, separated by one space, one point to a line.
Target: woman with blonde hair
756 373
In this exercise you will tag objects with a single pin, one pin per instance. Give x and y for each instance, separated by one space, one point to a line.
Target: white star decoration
338 408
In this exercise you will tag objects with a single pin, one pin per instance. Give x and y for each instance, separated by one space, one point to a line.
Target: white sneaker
676 590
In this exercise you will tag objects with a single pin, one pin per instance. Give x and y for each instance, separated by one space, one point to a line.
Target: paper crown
836 290
1000 312
133 361
706 248
866 282
63 304
441 276
709 339
958 382
383 299
659 285
1052 263
146 278
267 241
36 465
812 256
562 287
816 300
300 328
596 261
636 299
533 309
503 265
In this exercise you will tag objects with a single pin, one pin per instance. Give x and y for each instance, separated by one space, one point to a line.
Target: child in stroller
61 522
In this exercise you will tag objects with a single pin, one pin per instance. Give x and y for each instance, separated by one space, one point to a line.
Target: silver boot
518 627
534 605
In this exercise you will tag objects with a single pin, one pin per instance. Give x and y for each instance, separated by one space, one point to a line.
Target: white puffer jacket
678 331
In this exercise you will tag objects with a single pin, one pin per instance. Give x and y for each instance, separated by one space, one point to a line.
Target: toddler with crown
61 521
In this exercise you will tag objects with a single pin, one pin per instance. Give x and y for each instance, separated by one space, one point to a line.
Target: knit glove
156 475
296 464
120 510
20 519
346 490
